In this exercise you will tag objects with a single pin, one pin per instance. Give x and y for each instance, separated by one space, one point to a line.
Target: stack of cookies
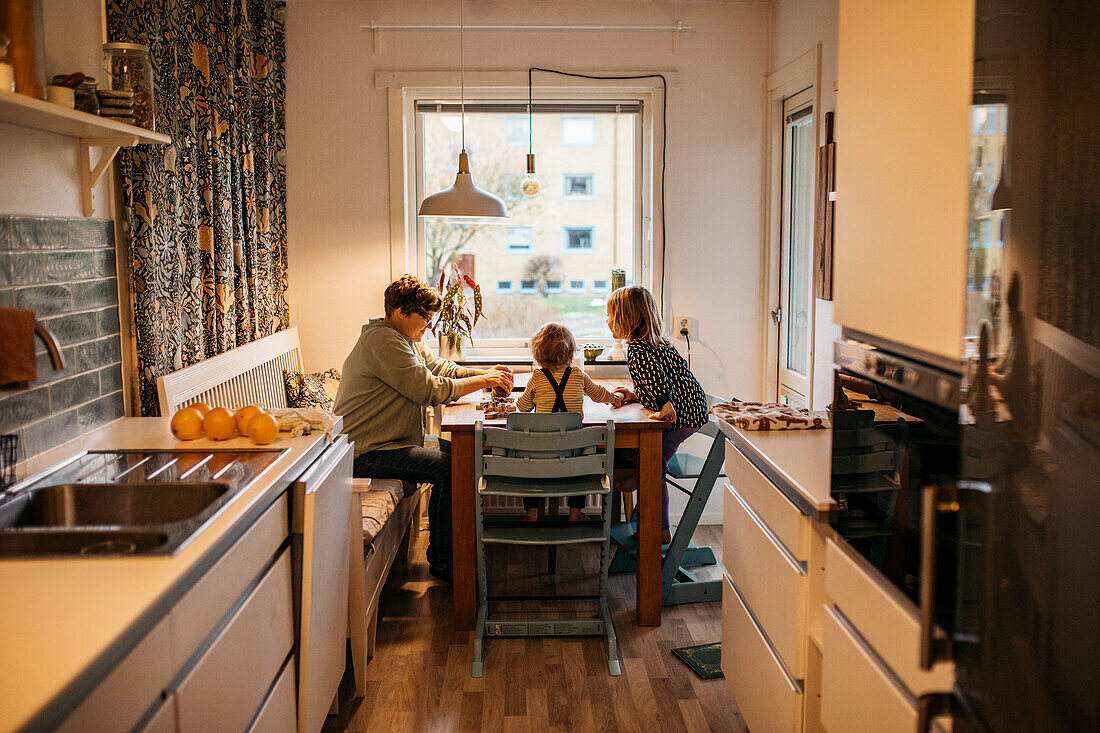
116 105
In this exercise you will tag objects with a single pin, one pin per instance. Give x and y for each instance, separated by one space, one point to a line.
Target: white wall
338 147
798 26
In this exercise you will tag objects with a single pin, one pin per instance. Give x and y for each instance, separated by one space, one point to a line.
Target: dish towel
17 346
769 416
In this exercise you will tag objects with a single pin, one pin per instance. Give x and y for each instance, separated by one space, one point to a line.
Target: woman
387 380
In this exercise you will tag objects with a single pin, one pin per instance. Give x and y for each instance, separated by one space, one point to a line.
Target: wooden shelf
19 109
93 131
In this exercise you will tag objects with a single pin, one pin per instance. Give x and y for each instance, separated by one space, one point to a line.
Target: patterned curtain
207 214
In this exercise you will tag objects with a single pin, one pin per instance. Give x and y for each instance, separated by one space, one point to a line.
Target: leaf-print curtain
207 214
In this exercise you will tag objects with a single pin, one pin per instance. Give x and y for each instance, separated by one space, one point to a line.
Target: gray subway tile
5 232
72 392
19 407
52 233
7 263
100 412
91 233
22 233
46 372
103 262
60 266
110 379
94 293
76 327
40 436
108 321
45 299
99 353
7 297
26 268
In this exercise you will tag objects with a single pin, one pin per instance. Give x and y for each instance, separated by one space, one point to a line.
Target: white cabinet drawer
278 715
789 524
228 684
884 618
857 693
214 594
768 697
164 721
771 580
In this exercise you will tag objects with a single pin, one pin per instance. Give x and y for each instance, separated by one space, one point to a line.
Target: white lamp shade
464 199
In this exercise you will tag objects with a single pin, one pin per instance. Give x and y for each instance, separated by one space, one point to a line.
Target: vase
450 347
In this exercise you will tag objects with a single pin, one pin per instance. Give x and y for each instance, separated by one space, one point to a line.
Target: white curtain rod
377 27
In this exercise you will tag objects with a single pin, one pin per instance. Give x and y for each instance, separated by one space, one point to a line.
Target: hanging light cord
664 133
530 116
462 69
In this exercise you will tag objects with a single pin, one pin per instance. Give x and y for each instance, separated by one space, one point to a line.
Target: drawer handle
933 503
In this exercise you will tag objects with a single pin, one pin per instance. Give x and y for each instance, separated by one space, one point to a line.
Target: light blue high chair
544 456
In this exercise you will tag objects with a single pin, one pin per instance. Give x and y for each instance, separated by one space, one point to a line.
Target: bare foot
575 515
532 515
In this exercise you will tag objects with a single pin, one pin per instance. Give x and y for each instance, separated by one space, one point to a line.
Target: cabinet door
323 499
277 714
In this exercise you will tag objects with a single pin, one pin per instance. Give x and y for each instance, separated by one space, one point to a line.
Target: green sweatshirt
387 380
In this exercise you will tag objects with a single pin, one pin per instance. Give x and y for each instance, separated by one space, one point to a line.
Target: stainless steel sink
95 505
105 503
82 543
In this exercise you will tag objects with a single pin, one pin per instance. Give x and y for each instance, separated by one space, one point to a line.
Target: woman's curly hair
410 294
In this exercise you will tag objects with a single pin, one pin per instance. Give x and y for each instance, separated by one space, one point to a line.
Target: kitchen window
578 187
578 239
550 271
504 286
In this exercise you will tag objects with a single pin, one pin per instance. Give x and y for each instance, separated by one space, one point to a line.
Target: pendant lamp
463 199
531 184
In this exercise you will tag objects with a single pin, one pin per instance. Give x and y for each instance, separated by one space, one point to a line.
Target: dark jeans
420 466
670 442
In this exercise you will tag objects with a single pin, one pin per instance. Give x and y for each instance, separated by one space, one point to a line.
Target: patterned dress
661 375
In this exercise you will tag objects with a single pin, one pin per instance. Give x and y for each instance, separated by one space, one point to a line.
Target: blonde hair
553 346
633 310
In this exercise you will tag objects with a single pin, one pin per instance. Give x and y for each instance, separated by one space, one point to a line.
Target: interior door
794 316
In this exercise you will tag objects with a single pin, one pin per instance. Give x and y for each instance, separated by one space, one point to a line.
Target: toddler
661 377
556 387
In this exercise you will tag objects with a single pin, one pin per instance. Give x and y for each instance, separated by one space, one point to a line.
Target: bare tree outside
542 269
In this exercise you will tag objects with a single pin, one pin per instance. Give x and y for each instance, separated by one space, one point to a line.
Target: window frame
501 290
582 289
566 249
406 89
528 289
590 196
519 250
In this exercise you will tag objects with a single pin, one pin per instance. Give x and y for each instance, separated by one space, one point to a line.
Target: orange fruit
202 407
187 424
219 424
263 428
243 415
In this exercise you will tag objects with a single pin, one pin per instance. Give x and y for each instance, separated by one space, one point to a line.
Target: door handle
932 505
777 315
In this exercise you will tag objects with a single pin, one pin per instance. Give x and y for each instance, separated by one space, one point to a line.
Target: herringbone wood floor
419 679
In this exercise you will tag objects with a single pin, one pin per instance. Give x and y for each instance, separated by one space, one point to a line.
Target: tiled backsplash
63 270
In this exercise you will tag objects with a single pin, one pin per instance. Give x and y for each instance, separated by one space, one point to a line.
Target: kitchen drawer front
200 610
886 620
228 684
164 721
130 689
767 696
789 524
278 714
858 693
771 580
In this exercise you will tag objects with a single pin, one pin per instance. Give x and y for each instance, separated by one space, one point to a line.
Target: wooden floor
419 679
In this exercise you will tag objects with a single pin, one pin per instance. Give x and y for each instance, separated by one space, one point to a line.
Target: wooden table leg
462 530
650 483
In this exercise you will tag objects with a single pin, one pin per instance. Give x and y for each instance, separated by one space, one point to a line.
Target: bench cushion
377 505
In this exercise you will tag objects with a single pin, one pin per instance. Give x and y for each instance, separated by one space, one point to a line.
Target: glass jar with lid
129 71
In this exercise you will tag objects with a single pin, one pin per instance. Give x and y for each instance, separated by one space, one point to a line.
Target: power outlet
683 327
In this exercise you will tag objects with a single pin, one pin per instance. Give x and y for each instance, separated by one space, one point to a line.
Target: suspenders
559 389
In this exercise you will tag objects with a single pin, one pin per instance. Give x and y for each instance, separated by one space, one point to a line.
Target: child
557 387
661 377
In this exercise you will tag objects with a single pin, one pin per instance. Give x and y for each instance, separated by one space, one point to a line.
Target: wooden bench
253 375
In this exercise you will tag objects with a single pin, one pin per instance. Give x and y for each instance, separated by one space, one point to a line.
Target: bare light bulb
531 184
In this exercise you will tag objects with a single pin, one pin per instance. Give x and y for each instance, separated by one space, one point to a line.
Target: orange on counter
219 424
187 424
263 428
202 407
245 414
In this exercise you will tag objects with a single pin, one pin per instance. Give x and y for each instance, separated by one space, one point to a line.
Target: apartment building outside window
578 187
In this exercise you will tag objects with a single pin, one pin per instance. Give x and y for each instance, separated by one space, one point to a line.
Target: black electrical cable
688 337
664 133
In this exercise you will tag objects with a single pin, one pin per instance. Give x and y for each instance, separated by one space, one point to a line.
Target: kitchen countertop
798 462
65 622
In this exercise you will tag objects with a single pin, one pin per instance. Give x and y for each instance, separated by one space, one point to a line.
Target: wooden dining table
633 429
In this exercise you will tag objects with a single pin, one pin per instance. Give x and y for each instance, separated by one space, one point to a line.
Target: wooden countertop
65 622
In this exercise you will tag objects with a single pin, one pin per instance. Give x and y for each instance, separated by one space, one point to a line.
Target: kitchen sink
80 543
92 505
116 503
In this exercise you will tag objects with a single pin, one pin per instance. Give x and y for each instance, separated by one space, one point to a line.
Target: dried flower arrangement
458 316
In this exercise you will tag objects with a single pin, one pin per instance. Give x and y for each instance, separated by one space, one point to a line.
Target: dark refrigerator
1025 513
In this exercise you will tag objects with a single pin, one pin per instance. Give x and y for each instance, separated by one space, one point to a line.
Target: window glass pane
515 130
555 253
578 131
801 223
985 282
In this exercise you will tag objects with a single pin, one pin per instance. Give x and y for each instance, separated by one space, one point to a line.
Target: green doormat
704 660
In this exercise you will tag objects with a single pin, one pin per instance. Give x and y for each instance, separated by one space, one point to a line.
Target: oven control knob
911 378
946 390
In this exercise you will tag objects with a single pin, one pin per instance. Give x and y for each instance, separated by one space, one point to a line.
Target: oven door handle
935 500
